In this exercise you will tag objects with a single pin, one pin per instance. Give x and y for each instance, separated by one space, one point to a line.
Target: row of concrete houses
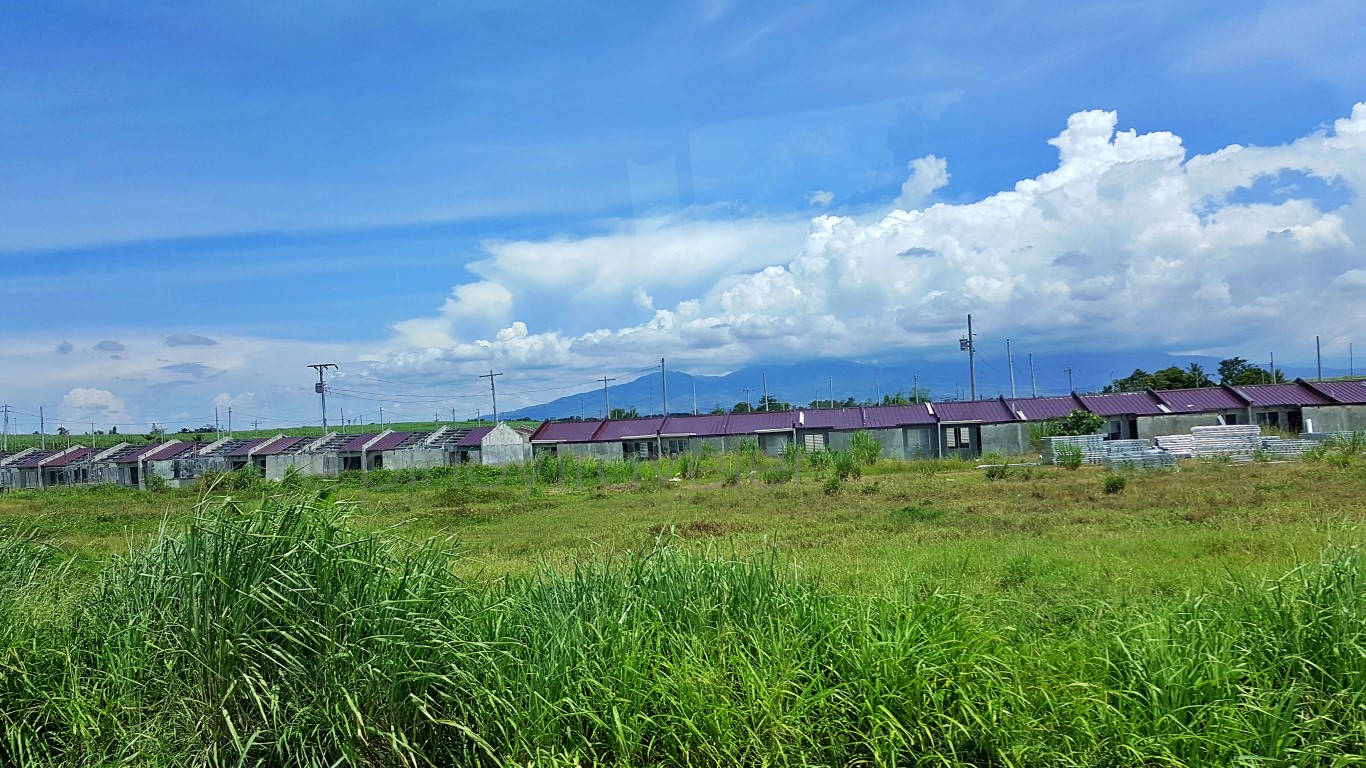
959 429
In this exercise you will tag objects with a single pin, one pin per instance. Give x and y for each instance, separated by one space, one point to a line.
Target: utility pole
217 433
606 398
1033 387
664 384
1351 364
321 388
915 387
747 405
452 414
966 343
764 376
1010 363
230 421
381 418
5 446
830 380
42 430
1273 368
694 396
494 390
343 421
1070 388
1318 354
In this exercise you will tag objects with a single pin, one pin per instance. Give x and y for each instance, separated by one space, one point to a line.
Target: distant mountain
799 383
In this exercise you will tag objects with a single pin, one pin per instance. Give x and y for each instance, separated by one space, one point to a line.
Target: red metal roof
390 441
564 432
985 411
749 423
1123 404
1200 400
883 416
472 438
1040 408
618 430
280 445
702 425
1351 392
34 460
69 457
355 444
169 451
136 454
245 448
830 418
1292 393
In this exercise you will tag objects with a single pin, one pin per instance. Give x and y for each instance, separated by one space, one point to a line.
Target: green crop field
732 610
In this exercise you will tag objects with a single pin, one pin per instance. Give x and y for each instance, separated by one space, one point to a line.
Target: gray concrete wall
504 445
1177 423
312 464
1335 418
1006 439
603 451
419 458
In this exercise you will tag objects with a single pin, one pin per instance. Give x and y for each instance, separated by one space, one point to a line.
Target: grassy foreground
282 634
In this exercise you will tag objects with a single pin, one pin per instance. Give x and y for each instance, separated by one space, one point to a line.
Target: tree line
1234 371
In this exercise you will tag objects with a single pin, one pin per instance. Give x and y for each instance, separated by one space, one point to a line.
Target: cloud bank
1126 243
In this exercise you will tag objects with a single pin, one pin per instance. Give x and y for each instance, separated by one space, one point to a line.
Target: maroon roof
169 451
280 445
1122 404
831 418
1199 400
749 423
1293 393
135 454
618 430
883 416
564 432
390 441
985 411
355 444
59 459
34 460
703 425
1040 408
472 438
1351 392
241 450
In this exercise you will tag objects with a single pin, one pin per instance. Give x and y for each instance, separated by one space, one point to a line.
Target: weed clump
1114 484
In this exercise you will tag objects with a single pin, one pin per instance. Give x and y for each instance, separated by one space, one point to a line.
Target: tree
740 407
1236 371
1137 381
1079 422
771 403
63 431
113 430
624 413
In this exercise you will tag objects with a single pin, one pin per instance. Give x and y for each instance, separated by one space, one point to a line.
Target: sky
197 202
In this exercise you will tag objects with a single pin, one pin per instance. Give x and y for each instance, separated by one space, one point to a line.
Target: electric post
321 388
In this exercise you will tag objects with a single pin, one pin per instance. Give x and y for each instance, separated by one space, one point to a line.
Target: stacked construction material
1137 454
1179 446
1274 448
1092 448
1237 442
1325 437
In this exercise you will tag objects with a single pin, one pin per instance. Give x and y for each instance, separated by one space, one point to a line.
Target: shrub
1069 455
1114 484
845 465
864 447
997 472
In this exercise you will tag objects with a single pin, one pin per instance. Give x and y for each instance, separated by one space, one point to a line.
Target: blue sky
565 191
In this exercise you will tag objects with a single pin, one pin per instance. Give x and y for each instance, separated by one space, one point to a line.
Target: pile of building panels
1093 450
1137 454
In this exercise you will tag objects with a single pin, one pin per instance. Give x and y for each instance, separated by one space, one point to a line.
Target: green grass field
925 613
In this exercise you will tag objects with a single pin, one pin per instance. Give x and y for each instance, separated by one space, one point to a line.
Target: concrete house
572 438
904 431
969 429
1346 412
503 445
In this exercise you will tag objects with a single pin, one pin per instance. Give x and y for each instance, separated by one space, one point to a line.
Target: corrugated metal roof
390 441
830 418
561 432
1122 404
985 411
617 430
884 416
1292 393
1351 392
702 425
749 423
474 437
355 444
169 451
1199 400
241 450
281 445
1040 408
136 454
68 458
34 460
